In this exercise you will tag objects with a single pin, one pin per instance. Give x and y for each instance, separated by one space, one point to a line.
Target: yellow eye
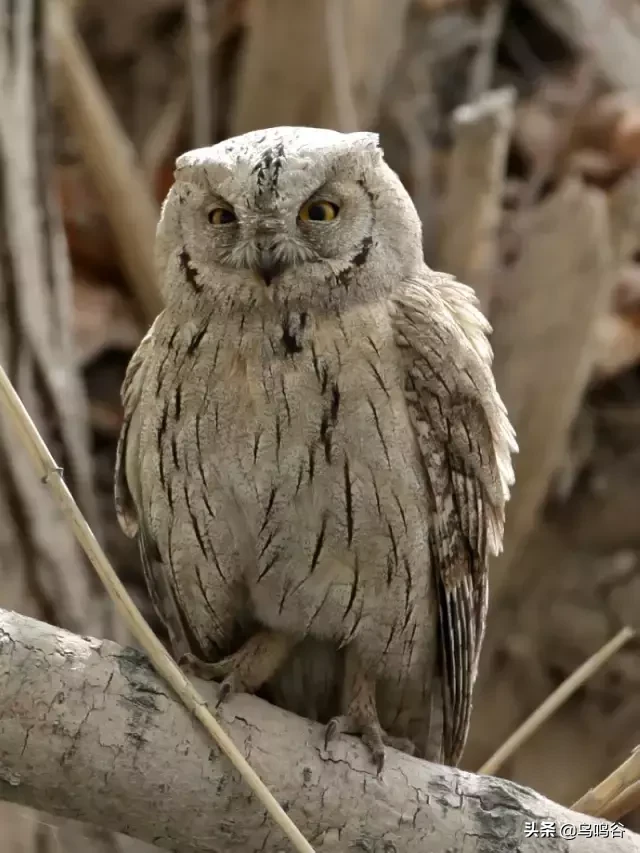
221 216
319 211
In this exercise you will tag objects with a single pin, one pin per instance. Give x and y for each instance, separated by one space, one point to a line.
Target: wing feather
128 500
466 442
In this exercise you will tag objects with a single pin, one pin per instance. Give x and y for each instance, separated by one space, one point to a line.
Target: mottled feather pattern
327 475
313 444
466 442
130 393
127 498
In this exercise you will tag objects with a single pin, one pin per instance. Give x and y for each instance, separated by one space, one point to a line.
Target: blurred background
515 125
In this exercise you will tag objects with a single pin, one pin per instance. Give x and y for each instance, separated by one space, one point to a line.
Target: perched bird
314 456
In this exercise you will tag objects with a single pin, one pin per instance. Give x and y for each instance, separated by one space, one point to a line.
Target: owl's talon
227 689
361 717
335 726
213 671
246 670
188 659
371 734
205 670
373 738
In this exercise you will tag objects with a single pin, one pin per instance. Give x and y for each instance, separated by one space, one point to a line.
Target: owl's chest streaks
303 428
276 400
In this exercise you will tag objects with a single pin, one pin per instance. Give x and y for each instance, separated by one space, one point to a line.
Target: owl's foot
246 670
178 643
372 735
361 716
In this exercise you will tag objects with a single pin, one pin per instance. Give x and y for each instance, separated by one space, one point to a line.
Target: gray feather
466 441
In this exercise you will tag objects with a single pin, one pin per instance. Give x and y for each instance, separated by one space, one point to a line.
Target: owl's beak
268 267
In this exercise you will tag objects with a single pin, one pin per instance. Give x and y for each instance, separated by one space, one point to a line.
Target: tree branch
88 731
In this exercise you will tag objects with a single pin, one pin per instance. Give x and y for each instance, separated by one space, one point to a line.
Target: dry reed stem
555 701
129 206
624 803
51 474
599 801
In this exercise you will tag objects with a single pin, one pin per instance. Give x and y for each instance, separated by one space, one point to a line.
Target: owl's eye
221 216
319 211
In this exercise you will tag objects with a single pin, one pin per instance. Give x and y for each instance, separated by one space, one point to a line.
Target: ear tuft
366 141
196 157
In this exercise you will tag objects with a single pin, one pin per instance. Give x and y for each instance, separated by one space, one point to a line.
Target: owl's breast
332 472
293 412
306 456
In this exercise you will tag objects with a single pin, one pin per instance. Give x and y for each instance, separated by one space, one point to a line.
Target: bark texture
87 728
42 571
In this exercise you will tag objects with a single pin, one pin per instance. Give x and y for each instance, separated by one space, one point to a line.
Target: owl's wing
128 501
466 442
131 392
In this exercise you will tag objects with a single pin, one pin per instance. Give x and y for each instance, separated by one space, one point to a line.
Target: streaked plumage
315 458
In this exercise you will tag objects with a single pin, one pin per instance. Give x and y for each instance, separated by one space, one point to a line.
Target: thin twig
626 802
161 660
200 56
597 801
555 701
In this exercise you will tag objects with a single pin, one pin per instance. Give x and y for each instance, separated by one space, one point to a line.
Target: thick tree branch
87 730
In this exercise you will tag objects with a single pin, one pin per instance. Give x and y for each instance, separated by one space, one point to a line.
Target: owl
314 456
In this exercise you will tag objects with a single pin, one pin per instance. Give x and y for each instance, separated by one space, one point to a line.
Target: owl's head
293 215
